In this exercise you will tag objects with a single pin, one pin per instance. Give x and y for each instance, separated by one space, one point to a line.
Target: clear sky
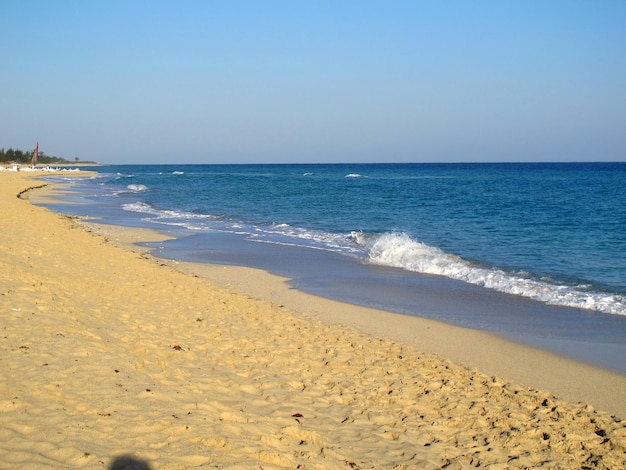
314 81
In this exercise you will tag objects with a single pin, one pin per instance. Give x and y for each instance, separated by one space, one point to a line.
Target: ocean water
544 242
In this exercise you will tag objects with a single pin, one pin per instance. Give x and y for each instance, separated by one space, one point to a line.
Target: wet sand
108 351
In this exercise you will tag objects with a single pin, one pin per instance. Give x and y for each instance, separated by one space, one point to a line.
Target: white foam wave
131 188
285 234
178 172
360 238
399 250
276 233
188 220
140 207
354 175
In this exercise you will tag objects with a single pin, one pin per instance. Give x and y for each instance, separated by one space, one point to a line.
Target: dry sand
106 351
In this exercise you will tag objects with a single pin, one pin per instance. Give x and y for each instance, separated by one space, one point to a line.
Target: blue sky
315 81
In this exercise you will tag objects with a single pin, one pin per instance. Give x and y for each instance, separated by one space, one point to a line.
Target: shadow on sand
128 462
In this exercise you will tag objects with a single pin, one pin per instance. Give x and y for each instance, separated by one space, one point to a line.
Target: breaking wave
397 250
133 188
401 251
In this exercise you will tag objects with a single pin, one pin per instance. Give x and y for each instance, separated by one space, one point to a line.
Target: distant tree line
19 156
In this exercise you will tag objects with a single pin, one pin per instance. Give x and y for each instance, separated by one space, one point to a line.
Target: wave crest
401 251
135 188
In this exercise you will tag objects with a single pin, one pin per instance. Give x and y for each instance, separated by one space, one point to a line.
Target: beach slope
107 352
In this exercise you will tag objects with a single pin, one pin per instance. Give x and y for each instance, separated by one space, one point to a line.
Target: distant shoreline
7 166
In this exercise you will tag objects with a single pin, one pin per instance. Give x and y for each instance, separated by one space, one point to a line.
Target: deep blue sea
541 241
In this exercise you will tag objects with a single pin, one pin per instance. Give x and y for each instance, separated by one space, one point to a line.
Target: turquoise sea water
551 233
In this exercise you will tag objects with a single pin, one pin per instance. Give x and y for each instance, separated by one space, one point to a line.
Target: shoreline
578 333
280 377
543 369
483 351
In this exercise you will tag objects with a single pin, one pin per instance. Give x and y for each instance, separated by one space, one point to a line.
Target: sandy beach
108 351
